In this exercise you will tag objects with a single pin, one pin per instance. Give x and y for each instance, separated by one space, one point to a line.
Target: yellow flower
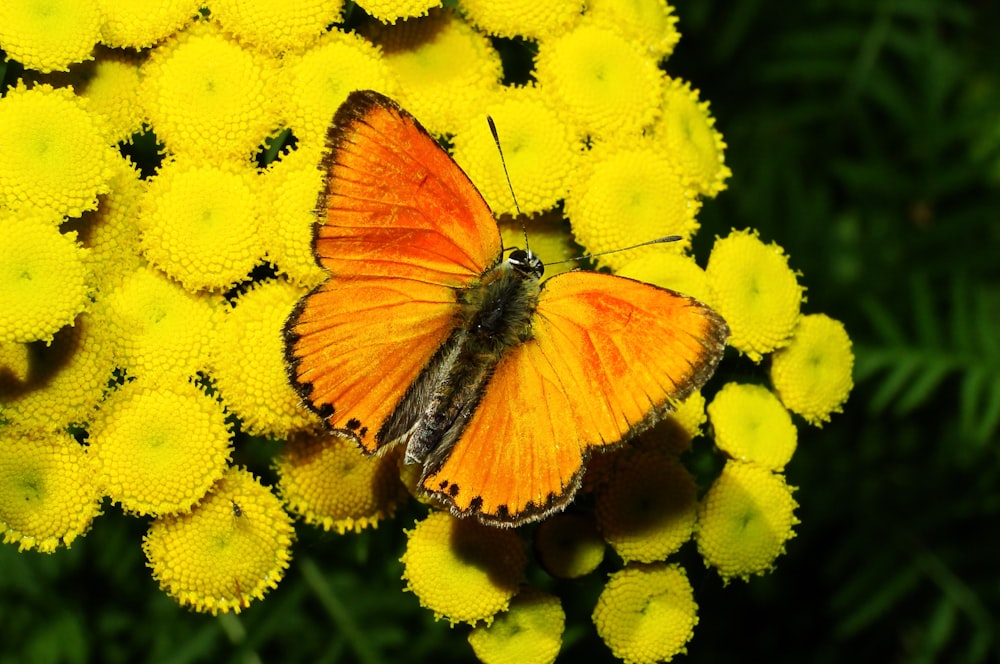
207 97
325 479
689 416
812 374
159 445
49 34
275 27
646 613
675 271
249 361
649 23
549 238
626 196
390 11
461 570
601 81
141 23
744 520
200 224
530 632
753 288
53 154
568 545
113 93
47 494
15 365
537 148
648 507
43 279
523 18
687 133
231 548
750 424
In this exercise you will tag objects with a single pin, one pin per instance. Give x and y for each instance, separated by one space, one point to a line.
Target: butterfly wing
609 356
402 229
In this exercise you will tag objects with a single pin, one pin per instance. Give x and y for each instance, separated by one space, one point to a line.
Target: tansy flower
668 269
48 496
200 225
648 507
530 632
390 11
461 570
159 445
276 27
812 374
646 613
138 25
568 545
549 238
14 367
325 479
744 520
231 548
753 288
523 18
207 97
48 34
537 148
113 93
249 361
687 133
750 424
43 278
649 23
626 196
449 69
603 83
317 82
54 155
689 416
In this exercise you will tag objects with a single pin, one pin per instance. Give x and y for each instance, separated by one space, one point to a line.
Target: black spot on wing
354 424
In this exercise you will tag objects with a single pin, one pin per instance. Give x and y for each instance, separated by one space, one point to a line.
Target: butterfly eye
526 263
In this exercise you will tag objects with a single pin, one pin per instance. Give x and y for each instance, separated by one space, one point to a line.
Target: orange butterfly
498 384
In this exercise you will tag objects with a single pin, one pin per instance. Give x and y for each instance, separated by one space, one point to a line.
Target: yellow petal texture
113 93
753 288
49 35
48 497
231 548
54 154
461 570
329 482
812 375
43 278
275 27
649 23
523 18
390 11
159 445
568 545
141 23
750 424
646 613
530 632
744 520
689 416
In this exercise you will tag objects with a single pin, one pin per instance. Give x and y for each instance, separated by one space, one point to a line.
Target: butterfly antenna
659 240
503 162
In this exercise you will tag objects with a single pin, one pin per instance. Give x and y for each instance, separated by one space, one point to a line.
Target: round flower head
530 632
672 270
568 545
159 446
646 613
390 11
276 28
549 238
318 81
207 97
750 424
450 69
537 149
461 570
812 374
753 288
231 548
325 479
55 155
687 132
628 196
647 509
604 84
744 520
649 23
249 361
689 416
113 93
43 278
200 224
49 35
140 24
47 493
523 18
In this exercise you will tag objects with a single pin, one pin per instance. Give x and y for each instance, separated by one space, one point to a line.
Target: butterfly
499 384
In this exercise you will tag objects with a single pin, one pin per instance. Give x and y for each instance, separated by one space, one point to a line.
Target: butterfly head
526 263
